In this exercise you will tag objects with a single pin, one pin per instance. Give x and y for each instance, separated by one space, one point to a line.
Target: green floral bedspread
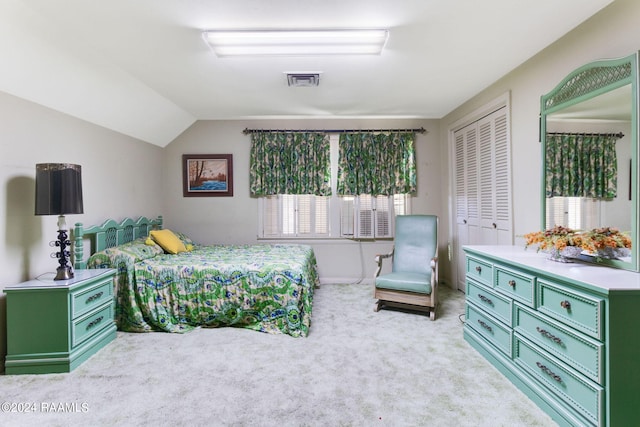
268 288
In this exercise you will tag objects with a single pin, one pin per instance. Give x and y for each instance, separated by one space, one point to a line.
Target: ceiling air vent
303 79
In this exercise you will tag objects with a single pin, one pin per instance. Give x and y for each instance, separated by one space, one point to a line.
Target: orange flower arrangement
605 238
605 242
558 238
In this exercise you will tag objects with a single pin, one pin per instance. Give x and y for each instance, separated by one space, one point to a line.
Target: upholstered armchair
413 281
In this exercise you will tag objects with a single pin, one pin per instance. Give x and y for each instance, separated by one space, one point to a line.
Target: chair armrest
379 259
434 271
434 281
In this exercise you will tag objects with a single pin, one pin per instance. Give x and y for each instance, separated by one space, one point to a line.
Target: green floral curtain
376 164
581 166
289 163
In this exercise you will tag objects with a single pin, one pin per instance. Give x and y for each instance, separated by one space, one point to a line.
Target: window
578 213
291 215
368 217
308 216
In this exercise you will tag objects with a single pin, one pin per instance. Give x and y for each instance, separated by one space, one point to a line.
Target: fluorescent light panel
296 42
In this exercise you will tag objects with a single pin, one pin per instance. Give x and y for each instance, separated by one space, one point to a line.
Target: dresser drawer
580 311
577 350
517 285
494 304
85 327
578 392
86 300
479 270
493 331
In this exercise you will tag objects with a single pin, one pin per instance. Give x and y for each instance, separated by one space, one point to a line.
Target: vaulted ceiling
141 67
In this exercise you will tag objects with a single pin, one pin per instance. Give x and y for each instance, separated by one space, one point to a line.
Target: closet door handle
494 225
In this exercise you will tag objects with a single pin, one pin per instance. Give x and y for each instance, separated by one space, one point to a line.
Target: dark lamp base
64 273
64 270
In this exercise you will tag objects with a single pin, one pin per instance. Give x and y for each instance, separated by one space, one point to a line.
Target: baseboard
345 280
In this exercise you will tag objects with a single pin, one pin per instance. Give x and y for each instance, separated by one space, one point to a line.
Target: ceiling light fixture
296 42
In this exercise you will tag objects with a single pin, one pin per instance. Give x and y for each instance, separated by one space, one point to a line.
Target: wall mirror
594 106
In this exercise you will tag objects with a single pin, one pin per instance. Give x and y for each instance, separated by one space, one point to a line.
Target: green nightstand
54 326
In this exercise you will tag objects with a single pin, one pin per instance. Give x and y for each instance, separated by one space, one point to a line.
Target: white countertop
595 276
46 281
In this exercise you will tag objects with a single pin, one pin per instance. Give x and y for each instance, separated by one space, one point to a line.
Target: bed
264 287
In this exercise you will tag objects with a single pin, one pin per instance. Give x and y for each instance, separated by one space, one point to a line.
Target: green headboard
111 233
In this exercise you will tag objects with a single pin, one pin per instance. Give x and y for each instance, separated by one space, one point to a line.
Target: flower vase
613 253
566 254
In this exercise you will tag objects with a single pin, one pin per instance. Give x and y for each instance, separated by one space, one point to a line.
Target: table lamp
59 192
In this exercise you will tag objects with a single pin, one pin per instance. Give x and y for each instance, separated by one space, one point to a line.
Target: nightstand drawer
479 270
493 331
576 390
88 299
517 285
580 311
85 327
577 350
494 304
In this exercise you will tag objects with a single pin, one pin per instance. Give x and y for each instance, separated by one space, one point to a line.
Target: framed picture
207 175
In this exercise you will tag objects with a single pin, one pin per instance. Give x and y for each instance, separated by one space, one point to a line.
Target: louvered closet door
466 194
494 185
466 174
482 186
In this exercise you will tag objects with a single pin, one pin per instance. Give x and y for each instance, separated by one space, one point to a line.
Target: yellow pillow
168 241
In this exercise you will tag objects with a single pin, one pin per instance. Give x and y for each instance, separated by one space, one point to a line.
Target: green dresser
54 326
567 335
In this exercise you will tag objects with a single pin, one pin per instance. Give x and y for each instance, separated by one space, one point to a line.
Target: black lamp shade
58 189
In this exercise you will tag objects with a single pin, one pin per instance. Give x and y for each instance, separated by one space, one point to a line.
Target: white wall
612 33
235 219
120 177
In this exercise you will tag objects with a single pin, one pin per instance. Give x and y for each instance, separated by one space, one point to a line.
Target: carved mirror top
589 81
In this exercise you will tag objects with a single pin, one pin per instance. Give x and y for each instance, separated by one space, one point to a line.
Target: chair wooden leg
377 306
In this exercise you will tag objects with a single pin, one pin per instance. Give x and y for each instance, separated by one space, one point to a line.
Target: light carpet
356 368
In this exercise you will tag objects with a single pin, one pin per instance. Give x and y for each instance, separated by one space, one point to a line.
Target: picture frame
207 175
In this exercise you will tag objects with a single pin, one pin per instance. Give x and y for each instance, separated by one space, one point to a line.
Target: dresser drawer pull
478 269
549 335
485 299
549 372
95 297
512 283
565 304
94 322
484 325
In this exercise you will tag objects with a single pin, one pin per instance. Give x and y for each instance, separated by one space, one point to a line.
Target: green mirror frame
587 82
